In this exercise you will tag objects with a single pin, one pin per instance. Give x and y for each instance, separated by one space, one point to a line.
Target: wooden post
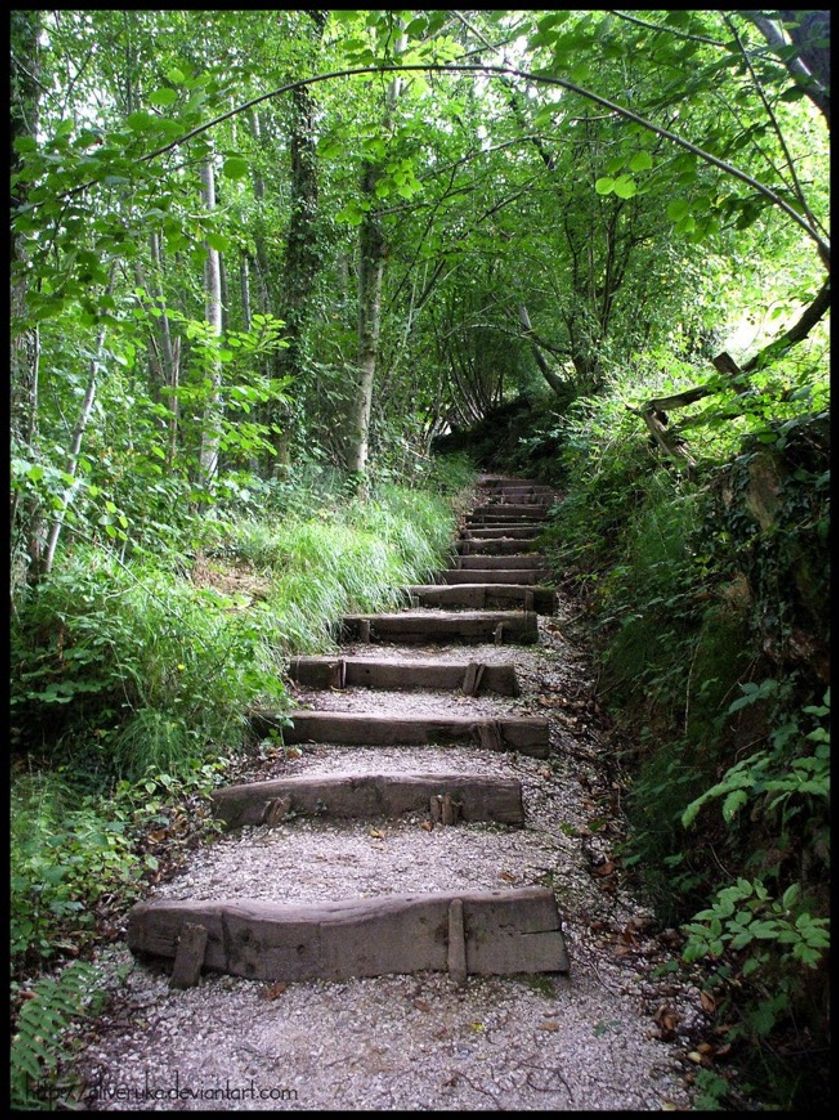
276 810
189 956
364 630
456 955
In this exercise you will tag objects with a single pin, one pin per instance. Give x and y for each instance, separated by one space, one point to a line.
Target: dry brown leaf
549 1025
604 869
421 1005
274 990
667 1019
427 825
546 773
709 1004
723 1050
374 832
705 1048
507 876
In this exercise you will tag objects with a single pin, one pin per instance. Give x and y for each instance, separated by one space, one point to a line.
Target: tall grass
127 673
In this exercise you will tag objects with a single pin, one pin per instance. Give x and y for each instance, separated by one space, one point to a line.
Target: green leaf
605 185
733 803
625 186
677 209
218 241
139 121
641 161
163 97
175 76
235 167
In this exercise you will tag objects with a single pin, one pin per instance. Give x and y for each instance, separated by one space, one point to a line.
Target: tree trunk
372 252
555 382
370 274
24 340
211 431
72 461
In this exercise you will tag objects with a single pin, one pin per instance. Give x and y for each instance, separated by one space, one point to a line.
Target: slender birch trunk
72 462
211 429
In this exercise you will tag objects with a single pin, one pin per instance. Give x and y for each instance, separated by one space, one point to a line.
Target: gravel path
582 1042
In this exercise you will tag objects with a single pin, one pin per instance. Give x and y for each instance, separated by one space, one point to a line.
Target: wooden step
493 575
369 795
486 596
493 481
365 672
483 526
534 490
455 626
497 546
485 933
527 734
507 510
516 560
511 532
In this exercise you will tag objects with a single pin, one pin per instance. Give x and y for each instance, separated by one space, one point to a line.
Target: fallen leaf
546 773
705 1048
374 832
709 1004
695 1056
669 1106
723 1050
604 869
507 876
421 1005
477 1027
667 1020
274 990
549 1025
427 825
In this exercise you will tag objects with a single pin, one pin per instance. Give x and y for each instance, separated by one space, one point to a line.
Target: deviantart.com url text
102 1090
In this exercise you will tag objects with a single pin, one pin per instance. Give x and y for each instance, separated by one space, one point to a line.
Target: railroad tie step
508 561
526 734
486 595
510 532
486 933
364 672
411 627
496 546
446 798
493 575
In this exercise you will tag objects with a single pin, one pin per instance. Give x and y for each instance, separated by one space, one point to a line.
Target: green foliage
38 1044
135 676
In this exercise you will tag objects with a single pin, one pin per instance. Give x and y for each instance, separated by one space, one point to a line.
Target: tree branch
453 68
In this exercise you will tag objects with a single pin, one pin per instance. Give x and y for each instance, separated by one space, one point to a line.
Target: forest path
575 1041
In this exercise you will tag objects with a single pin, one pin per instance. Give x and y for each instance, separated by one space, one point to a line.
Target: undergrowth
133 676
707 592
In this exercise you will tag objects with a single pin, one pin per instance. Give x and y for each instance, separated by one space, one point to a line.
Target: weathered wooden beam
512 532
486 595
370 795
522 733
493 575
510 561
504 931
523 510
189 955
495 547
409 627
363 672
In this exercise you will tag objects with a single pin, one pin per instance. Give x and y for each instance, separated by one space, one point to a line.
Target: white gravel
582 1042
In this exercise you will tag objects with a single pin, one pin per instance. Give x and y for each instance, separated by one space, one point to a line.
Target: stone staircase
490 594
